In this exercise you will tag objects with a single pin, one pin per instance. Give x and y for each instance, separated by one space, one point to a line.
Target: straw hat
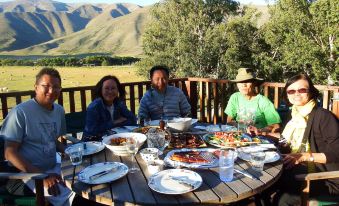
245 74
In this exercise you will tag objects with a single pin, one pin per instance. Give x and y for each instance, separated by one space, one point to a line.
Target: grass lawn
21 78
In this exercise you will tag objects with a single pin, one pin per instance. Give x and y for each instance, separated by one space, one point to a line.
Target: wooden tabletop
133 189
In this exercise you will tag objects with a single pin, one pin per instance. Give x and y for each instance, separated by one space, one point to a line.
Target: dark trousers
288 190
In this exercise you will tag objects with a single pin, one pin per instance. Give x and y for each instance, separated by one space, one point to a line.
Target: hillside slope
33 6
21 30
119 36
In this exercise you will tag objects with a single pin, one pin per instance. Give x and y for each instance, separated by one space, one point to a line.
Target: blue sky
145 2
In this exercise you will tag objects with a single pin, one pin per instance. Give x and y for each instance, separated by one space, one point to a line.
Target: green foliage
214 38
71 61
201 38
303 36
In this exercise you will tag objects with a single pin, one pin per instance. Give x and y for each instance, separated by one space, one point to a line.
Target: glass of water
132 148
226 165
75 154
258 161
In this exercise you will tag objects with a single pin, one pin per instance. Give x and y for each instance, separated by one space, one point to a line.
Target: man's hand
290 160
51 183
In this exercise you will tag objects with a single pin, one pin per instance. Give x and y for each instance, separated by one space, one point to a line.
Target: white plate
175 181
92 147
85 174
270 157
172 163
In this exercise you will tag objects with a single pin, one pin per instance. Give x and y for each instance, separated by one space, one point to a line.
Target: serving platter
193 158
233 139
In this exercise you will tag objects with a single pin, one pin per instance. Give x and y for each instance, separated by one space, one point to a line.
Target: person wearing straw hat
248 102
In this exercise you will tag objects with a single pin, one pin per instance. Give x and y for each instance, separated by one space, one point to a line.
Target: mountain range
35 27
47 27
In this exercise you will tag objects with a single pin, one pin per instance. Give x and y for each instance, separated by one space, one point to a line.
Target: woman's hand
51 183
292 159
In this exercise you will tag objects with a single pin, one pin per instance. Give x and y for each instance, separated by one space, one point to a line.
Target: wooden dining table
133 188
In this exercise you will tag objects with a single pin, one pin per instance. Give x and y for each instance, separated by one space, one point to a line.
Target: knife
102 173
245 174
181 181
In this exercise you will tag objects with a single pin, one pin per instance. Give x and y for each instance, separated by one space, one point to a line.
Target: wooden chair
38 199
319 200
75 122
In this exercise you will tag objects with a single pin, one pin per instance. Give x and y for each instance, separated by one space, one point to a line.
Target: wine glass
165 141
132 148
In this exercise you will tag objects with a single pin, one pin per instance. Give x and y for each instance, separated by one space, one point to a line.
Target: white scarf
295 128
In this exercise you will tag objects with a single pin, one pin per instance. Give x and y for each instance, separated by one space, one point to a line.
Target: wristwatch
311 158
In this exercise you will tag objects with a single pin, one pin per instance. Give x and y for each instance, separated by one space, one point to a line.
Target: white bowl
155 166
149 154
120 150
180 124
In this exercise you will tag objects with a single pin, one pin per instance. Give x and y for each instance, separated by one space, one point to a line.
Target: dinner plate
172 163
118 170
175 181
271 156
92 147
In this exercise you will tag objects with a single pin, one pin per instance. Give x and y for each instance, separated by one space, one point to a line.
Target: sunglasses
300 91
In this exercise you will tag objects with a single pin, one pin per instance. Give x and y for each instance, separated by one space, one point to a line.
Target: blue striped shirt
172 103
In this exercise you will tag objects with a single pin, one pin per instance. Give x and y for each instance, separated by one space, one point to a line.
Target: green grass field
16 78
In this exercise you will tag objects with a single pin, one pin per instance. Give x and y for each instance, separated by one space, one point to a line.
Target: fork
208 156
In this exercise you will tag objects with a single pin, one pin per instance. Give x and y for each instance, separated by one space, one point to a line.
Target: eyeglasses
48 88
300 91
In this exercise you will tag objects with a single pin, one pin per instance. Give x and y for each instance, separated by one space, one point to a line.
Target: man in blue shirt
163 101
31 130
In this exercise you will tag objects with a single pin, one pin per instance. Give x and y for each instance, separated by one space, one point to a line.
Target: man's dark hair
160 68
99 85
48 71
314 92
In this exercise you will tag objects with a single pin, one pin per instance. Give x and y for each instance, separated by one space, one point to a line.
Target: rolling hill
25 23
119 36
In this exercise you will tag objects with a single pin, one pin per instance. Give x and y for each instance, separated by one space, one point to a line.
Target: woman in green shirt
248 100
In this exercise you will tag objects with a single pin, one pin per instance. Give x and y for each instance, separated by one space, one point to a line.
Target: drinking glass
158 140
75 154
257 161
246 117
132 148
226 165
167 140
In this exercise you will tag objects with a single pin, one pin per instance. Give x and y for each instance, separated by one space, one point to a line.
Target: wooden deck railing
208 97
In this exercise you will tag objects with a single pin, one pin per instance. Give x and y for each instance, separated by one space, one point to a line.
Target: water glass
257 161
226 165
246 117
132 148
157 140
75 154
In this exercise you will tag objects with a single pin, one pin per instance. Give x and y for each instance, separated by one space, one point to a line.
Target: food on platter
233 139
193 157
186 140
118 141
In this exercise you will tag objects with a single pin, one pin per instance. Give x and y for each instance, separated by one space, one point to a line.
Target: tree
303 38
186 35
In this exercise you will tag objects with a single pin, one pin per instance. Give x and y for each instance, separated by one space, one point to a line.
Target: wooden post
39 187
192 92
